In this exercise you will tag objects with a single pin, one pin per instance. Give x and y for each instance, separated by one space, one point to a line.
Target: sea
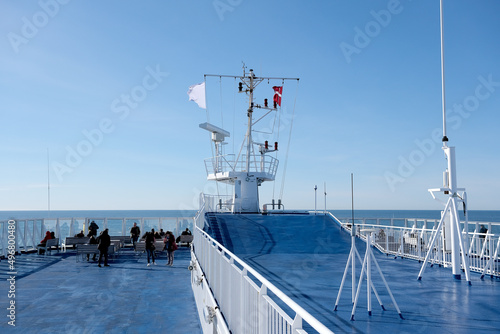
178 220
474 215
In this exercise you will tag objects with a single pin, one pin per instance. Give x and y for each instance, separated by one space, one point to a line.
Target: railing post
262 311
297 323
242 298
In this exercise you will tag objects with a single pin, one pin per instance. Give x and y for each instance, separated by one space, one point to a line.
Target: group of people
169 243
104 241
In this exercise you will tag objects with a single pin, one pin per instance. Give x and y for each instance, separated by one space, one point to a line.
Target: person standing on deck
483 230
171 248
104 242
92 241
150 246
93 227
135 232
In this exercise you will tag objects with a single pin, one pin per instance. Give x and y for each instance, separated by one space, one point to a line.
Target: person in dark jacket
104 242
92 241
150 246
93 227
171 247
135 232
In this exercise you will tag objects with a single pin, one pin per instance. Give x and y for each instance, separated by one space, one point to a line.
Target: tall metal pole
353 241
325 198
450 187
315 188
249 130
445 139
48 181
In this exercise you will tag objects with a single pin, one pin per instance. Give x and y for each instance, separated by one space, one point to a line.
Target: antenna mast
450 219
445 139
252 168
48 181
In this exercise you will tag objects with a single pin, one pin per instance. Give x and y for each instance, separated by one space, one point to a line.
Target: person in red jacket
44 241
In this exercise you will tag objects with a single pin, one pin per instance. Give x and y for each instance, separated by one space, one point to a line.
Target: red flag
277 95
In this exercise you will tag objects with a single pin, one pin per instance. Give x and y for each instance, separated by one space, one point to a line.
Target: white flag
197 94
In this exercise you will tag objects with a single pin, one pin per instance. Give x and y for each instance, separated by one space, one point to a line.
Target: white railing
227 163
412 241
29 232
215 203
242 294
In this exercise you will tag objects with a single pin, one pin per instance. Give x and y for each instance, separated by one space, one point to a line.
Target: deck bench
73 241
117 245
84 249
91 249
48 246
125 239
186 240
140 247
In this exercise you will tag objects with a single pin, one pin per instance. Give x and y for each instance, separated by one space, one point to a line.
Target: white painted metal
369 257
459 258
248 171
29 232
351 261
415 242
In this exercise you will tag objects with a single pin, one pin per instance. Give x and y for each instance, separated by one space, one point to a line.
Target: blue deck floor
56 294
305 256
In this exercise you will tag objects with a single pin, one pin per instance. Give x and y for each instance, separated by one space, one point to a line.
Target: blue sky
368 101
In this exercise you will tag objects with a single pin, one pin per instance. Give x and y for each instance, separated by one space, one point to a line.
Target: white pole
325 198
48 181
315 188
445 139
353 240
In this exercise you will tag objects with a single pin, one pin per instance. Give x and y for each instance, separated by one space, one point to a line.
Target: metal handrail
412 242
228 163
313 322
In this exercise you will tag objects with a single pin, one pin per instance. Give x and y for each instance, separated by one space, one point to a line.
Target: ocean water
474 215
119 227
95 214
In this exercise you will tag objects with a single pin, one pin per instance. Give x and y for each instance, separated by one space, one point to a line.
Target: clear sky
101 86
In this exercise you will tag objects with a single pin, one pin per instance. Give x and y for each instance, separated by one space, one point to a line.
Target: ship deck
305 257
56 294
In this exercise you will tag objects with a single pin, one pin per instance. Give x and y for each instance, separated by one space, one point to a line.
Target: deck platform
305 257
56 294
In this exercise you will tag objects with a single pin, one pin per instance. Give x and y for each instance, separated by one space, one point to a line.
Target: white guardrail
242 293
26 234
237 295
413 240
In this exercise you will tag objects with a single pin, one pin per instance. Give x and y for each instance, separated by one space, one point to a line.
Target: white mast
249 172
449 217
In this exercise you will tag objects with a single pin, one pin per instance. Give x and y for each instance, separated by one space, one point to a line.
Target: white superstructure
253 165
